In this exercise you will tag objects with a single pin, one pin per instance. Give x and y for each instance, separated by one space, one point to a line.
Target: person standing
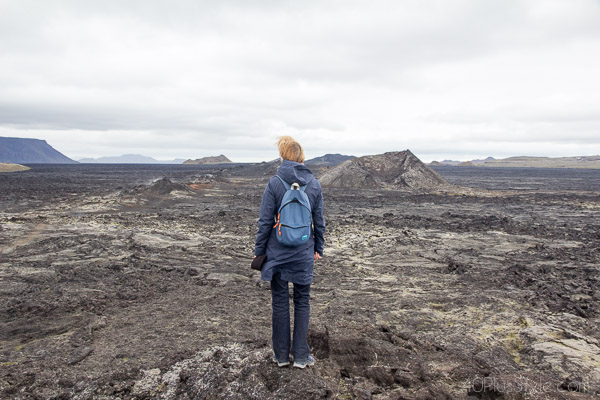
286 264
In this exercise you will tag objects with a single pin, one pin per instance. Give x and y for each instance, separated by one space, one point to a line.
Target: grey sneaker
303 364
280 363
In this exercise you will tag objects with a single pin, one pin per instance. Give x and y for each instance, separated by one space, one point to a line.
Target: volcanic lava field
134 282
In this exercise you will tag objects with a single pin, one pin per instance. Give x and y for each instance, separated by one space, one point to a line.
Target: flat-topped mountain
588 162
547 162
128 159
220 159
30 151
328 160
392 170
454 163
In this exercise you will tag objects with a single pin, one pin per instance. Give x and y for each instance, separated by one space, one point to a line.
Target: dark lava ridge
392 170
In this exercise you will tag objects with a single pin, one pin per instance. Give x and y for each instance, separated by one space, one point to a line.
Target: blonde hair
289 149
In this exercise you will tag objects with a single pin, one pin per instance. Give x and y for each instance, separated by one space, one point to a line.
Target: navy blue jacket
295 263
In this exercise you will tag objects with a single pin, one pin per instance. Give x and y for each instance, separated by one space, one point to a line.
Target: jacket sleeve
319 223
265 221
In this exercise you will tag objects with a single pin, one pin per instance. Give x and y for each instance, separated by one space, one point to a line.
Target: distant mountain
589 162
479 162
30 151
220 159
447 162
328 160
469 163
128 159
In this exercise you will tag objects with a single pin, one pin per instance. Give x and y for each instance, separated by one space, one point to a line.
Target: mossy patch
513 343
5 167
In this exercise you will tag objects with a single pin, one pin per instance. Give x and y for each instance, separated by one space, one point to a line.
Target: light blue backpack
294 218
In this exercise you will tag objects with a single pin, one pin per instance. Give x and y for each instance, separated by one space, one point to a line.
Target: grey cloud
342 70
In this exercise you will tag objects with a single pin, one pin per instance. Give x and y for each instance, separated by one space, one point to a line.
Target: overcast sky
448 79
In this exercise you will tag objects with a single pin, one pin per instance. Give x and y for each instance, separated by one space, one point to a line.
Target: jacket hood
292 172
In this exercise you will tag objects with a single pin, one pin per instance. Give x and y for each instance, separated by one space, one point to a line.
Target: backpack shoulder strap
285 184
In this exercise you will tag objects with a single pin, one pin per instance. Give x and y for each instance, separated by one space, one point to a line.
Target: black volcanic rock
166 186
392 170
30 151
110 292
257 170
328 160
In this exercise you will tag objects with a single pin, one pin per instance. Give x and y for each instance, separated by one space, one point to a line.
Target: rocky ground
115 284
